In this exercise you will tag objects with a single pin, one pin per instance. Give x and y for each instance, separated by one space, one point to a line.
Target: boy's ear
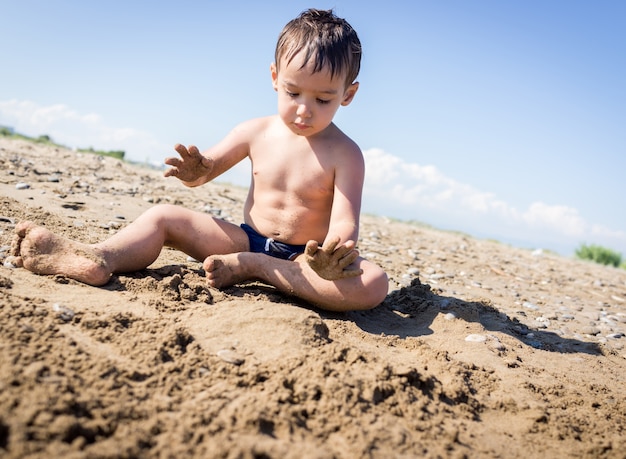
274 72
350 93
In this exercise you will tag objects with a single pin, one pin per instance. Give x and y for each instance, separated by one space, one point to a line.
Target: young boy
302 211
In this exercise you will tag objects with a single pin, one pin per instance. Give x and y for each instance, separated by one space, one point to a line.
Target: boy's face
307 101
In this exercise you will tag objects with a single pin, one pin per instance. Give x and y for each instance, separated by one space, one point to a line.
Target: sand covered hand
190 166
331 262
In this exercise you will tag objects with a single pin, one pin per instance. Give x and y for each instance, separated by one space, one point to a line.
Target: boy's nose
303 111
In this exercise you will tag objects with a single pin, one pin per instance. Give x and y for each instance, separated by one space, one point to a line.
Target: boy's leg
199 235
133 248
298 279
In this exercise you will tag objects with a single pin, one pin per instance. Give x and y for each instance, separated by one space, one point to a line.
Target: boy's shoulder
256 124
344 140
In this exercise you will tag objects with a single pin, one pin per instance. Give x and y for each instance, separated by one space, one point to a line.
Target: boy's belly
292 226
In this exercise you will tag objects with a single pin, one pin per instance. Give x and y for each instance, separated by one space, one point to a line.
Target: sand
479 350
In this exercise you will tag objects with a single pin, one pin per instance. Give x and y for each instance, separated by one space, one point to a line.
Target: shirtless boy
302 211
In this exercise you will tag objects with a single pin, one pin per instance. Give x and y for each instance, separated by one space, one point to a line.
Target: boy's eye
292 94
322 101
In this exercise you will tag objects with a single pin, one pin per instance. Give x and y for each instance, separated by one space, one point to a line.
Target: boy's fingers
347 273
181 150
349 259
171 161
342 251
330 244
193 150
170 172
311 248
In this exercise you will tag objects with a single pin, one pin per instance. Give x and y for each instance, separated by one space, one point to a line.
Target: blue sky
501 119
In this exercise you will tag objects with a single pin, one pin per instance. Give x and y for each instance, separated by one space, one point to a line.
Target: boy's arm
194 168
332 259
348 188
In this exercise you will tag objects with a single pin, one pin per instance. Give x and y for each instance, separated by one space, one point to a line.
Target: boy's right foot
226 270
43 252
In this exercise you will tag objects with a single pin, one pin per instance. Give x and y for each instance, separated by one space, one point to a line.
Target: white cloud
405 190
66 126
563 219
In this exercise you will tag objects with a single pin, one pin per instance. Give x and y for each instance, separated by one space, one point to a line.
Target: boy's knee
161 209
159 212
376 288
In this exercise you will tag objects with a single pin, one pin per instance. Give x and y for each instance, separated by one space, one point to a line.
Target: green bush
118 154
599 254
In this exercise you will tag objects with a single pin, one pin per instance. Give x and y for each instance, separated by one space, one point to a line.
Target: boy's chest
292 170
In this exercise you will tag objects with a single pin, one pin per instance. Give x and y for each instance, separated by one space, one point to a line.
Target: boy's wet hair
324 38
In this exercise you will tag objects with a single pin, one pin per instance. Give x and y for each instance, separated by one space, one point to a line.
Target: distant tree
599 254
119 154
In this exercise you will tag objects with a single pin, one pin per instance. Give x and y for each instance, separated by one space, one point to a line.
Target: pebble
475 338
22 186
230 356
445 303
535 344
413 271
615 335
531 306
590 330
63 313
10 262
212 210
496 344
450 316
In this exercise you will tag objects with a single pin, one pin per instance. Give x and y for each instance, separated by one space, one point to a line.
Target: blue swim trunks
268 246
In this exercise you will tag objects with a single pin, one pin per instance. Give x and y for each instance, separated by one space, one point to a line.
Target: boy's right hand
190 167
332 261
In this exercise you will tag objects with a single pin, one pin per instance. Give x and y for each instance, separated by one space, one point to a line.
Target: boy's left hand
329 261
191 167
